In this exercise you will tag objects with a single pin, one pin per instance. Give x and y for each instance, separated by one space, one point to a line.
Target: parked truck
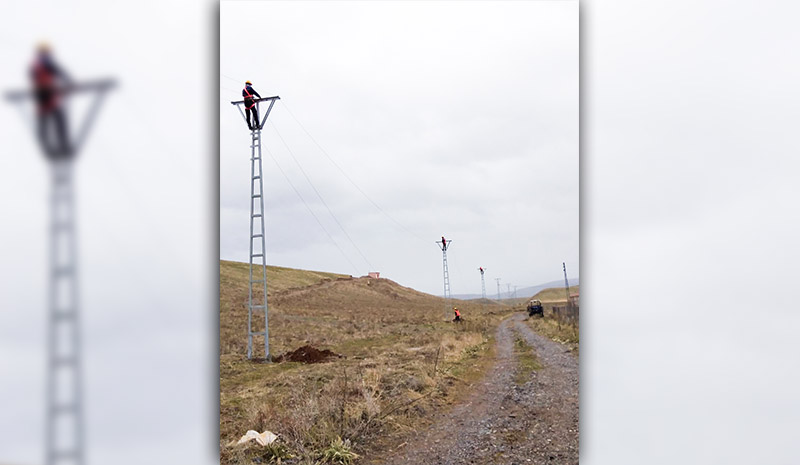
535 308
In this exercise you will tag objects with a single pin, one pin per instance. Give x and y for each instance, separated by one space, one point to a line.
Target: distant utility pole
515 292
566 281
498 288
508 290
444 245
257 300
483 282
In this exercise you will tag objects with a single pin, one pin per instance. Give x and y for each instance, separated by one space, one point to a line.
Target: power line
403 227
315 190
228 88
232 79
378 207
348 177
312 186
310 210
320 195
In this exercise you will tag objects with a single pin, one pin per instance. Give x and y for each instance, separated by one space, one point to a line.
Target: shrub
339 452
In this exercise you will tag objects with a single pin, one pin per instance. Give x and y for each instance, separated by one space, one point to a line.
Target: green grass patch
339 452
471 365
527 361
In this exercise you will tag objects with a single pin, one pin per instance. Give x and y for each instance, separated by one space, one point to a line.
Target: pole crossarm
101 85
240 102
263 120
444 247
266 114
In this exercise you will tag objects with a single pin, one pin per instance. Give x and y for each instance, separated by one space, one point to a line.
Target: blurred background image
144 184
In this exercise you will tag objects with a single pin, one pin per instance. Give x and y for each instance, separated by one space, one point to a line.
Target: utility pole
483 282
515 292
508 290
444 245
64 425
257 299
566 281
498 288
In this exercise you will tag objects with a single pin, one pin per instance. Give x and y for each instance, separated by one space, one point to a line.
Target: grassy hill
555 294
401 361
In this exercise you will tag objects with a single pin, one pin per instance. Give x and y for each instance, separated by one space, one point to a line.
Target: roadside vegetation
550 326
527 361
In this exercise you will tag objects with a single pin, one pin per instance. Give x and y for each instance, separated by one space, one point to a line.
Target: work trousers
52 133
254 110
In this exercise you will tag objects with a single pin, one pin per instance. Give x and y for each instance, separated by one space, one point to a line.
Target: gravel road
500 422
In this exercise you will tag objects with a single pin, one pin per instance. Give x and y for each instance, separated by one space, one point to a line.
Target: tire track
500 422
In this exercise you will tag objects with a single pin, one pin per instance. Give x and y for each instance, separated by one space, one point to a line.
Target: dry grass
555 295
402 361
561 333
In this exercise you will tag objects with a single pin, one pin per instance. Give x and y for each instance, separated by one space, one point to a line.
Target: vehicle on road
535 308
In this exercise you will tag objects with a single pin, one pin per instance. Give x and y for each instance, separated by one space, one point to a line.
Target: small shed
374 274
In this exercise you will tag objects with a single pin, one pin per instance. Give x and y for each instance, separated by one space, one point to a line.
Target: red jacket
45 75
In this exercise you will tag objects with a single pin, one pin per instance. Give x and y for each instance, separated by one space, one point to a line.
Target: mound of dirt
308 354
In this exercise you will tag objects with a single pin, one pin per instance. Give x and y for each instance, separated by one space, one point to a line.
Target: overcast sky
455 119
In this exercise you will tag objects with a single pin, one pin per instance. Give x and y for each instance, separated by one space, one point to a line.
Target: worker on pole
249 95
49 81
444 243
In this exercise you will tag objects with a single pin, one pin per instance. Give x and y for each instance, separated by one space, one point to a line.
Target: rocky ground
505 420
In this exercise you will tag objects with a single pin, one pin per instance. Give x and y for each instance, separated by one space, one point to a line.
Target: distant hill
555 294
321 308
522 293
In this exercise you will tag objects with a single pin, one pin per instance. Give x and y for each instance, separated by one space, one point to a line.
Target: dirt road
502 422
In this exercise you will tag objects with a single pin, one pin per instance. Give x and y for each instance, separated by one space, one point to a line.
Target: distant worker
49 81
458 314
444 242
250 104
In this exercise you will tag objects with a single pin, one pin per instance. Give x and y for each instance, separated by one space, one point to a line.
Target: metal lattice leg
446 285
64 436
258 250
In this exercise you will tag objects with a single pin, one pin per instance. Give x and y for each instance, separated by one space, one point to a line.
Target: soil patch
308 354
